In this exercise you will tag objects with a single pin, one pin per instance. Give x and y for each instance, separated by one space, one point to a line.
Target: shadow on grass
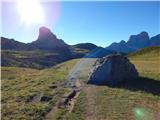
141 84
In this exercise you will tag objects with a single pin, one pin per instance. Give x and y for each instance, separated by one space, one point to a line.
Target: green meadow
27 95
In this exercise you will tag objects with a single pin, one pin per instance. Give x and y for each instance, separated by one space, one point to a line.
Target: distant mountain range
46 41
46 51
135 43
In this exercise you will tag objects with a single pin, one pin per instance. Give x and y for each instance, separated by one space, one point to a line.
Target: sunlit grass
147 61
21 84
97 102
107 103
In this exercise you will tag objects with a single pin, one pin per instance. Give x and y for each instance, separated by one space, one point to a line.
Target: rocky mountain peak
143 33
45 33
135 42
122 42
44 29
141 36
138 41
48 41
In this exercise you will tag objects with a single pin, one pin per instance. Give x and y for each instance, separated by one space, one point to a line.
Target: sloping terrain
32 59
46 51
147 61
11 44
40 59
139 100
29 94
33 94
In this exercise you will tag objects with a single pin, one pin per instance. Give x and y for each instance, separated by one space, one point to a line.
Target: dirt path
73 100
51 113
90 100
67 102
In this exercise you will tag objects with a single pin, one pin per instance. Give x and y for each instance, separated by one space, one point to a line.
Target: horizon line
81 42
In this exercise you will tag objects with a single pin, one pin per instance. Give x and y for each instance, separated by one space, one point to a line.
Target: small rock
52 86
45 98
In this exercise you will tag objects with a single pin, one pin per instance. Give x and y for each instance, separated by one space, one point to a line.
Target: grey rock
112 70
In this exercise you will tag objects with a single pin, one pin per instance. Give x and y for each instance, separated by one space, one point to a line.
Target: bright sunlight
31 12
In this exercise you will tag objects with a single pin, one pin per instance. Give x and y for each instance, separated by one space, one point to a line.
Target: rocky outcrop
48 41
139 41
112 70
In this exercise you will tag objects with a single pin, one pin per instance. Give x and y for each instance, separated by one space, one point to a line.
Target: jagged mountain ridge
135 43
48 50
46 41
44 52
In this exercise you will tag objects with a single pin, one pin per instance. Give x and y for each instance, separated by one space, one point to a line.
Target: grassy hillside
32 59
38 59
147 61
146 51
27 95
136 101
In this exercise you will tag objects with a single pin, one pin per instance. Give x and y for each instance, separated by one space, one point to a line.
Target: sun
30 11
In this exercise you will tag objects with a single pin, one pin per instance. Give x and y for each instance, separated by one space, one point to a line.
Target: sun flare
31 12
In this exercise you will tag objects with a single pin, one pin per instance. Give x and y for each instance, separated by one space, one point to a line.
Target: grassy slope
38 59
147 61
19 85
31 59
107 103
94 102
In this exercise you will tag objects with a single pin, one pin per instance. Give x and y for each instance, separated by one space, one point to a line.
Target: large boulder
112 70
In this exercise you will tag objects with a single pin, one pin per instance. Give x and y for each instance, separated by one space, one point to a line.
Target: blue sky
100 23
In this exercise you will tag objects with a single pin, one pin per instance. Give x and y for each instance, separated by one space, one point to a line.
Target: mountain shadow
140 84
99 52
